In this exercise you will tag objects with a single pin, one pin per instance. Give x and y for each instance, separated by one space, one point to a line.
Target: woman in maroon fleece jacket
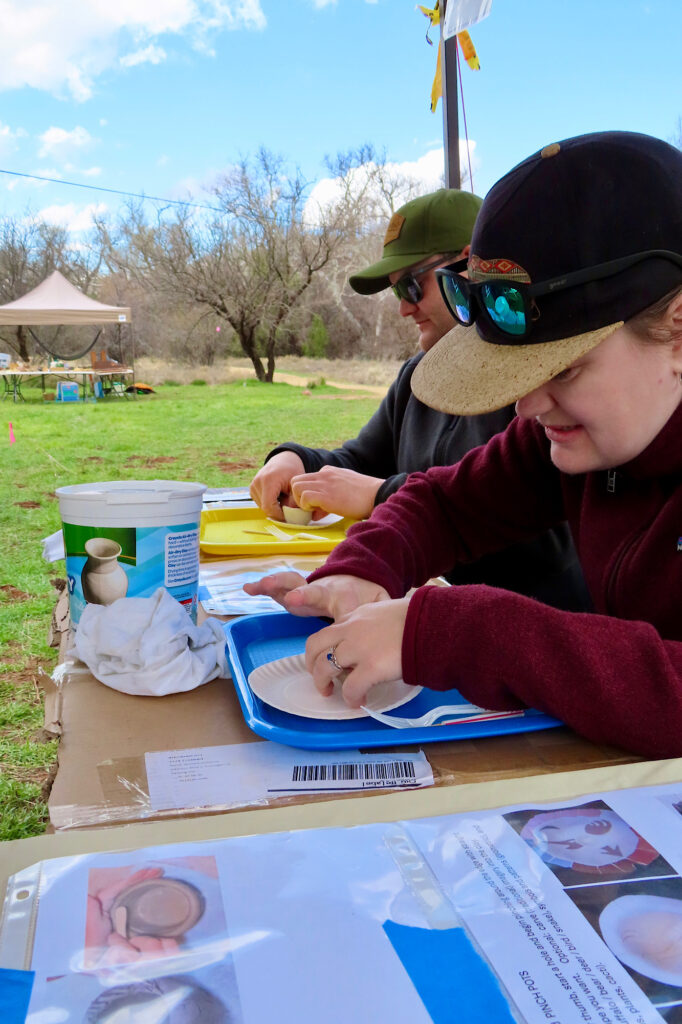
574 305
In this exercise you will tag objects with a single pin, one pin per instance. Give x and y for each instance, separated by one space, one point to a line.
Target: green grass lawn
216 435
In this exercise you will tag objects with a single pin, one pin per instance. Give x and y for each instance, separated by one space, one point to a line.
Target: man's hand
333 489
275 479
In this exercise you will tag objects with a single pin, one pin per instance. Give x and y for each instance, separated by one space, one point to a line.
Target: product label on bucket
104 563
182 558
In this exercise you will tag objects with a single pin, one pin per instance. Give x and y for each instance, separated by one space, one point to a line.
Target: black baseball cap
573 205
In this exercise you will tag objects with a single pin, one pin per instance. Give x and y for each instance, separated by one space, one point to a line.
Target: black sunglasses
509 307
408 287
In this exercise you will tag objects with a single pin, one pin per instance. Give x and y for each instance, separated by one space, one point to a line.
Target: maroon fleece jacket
615 675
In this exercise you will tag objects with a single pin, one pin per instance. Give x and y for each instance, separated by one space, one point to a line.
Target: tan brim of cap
465 375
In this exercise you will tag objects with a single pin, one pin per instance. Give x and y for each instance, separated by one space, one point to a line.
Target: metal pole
453 177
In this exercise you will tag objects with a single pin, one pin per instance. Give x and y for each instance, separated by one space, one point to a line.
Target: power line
112 191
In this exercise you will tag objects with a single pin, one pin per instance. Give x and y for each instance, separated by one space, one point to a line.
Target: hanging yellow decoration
469 51
433 14
437 87
466 45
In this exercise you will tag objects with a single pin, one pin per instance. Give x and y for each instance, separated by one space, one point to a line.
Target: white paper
221 583
247 773
53 547
228 497
226 596
460 14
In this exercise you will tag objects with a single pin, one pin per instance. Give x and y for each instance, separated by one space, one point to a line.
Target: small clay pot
160 907
296 516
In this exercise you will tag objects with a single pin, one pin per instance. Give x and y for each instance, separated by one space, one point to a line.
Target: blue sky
160 96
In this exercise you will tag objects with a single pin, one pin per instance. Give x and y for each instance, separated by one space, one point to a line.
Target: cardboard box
101 777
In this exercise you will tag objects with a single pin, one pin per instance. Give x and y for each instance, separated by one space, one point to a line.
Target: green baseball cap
441 222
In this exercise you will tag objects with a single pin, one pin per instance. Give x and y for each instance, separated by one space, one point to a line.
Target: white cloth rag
149 646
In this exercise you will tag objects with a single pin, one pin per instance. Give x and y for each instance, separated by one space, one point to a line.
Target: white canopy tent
57 301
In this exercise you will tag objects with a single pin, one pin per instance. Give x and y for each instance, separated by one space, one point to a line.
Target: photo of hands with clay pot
135 915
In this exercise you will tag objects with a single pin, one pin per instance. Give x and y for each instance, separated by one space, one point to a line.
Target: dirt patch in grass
233 467
152 460
27 504
93 458
14 594
28 673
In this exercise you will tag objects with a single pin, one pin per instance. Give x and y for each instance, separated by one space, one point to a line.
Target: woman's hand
367 643
333 489
276 586
332 596
275 479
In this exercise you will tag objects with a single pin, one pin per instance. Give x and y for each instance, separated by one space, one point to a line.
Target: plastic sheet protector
557 913
221 583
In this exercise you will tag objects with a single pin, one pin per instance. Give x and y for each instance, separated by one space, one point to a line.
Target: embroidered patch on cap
486 270
395 226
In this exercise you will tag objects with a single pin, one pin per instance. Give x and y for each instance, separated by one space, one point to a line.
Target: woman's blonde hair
649 324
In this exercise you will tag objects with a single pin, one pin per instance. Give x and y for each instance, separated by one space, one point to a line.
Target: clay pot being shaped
298 516
160 907
102 578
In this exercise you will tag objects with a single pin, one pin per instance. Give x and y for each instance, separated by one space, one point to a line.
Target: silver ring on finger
331 656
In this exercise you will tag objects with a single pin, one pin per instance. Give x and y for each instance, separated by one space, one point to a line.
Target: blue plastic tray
254 640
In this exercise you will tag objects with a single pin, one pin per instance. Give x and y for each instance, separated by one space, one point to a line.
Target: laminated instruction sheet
554 913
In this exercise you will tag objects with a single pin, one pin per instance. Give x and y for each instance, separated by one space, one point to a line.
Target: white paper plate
616 914
287 685
318 524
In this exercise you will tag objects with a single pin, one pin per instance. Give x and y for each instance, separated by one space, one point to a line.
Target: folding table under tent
57 302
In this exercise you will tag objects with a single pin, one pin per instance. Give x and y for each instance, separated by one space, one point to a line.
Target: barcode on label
383 771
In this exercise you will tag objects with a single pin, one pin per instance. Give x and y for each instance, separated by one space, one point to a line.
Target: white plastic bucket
127 538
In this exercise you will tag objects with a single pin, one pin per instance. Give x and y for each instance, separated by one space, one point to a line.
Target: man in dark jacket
404 435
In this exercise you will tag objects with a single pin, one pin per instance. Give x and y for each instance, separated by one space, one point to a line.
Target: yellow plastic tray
224 532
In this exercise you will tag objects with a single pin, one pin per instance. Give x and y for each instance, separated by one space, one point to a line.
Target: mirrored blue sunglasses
509 306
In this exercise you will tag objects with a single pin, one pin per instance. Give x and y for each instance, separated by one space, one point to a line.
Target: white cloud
8 139
410 178
150 55
61 144
70 216
62 48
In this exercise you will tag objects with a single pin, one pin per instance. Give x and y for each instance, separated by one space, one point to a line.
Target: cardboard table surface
358 810
101 777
